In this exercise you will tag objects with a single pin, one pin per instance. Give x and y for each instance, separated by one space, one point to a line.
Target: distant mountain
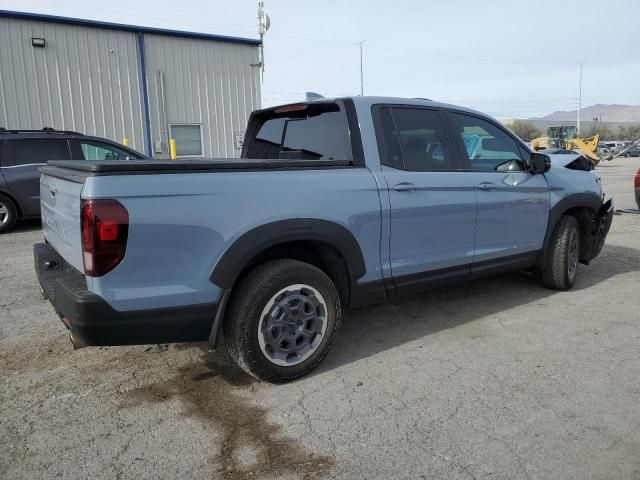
605 113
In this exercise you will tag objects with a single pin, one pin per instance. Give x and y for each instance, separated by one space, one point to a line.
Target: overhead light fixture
38 42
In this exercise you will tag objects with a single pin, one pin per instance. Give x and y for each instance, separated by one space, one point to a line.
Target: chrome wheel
4 214
292 325
574 248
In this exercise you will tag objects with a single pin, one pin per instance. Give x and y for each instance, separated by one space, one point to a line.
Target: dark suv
23 152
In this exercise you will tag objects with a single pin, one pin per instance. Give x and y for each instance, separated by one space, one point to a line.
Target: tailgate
60 206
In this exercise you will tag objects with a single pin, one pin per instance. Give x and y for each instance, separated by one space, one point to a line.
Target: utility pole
579 100
361 68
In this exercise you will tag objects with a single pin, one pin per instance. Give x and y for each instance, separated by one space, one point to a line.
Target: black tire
255 292
563 256
8 214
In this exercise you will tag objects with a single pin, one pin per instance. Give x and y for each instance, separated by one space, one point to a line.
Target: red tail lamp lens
104 231
290 108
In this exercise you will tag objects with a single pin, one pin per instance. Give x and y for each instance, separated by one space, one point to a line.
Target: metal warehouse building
121 81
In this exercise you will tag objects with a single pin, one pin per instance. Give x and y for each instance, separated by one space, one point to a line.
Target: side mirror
540 163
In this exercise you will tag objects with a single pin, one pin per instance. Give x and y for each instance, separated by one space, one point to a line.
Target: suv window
313 132
39 150
487 147
94 150
419 135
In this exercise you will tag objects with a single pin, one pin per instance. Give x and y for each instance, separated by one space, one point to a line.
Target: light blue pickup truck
335 204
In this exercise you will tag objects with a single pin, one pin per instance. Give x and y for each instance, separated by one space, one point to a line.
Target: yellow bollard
125 141
172 148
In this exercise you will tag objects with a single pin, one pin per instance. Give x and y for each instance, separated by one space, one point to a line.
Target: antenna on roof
310 96
264 22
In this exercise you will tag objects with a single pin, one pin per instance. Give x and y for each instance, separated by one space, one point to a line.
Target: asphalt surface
497 378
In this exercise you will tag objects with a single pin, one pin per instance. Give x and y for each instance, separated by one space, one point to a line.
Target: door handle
405 187
487 186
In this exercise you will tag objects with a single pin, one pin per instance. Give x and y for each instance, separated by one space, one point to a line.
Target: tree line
527 131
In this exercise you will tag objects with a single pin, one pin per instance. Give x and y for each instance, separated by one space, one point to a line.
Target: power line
243 29
469 58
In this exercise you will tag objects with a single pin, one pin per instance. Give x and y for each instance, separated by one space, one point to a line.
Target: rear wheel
563 257
8 214
282 319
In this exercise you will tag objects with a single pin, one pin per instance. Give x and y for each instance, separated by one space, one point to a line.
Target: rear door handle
405 187
487 186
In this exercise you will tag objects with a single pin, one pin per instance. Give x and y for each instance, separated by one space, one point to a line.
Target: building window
188 139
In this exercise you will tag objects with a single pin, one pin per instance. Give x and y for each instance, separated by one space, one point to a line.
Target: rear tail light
104 231
290 108
636 182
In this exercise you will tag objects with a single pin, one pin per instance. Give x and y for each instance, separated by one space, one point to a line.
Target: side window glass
487 147
388 141
102 151
38 150
423 140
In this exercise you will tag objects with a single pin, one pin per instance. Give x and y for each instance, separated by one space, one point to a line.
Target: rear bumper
93 321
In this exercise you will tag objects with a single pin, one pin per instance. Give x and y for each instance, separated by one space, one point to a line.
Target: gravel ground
497 378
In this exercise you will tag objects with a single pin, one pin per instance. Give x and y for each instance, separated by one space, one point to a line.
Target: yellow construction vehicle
565 136
586 146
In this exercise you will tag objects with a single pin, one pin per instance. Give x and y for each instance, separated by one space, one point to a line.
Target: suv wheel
563 257
282 320
8 214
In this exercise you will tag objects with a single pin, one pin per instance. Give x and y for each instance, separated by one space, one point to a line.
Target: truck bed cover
120 167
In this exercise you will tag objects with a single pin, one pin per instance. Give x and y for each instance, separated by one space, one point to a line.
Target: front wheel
282 319
563 256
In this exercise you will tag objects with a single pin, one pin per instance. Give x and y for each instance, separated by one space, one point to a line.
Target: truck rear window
310 132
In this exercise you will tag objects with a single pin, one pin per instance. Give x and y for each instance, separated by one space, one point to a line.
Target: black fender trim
590 200
259 239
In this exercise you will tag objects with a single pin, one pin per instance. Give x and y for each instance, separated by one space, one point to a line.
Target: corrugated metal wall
206 82
85 79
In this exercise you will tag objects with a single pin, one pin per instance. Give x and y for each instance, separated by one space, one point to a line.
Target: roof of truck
373 100
368 101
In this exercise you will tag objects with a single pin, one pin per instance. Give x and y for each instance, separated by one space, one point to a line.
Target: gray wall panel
206 82
85 79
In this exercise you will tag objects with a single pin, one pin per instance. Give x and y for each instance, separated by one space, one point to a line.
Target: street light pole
579 100
361 69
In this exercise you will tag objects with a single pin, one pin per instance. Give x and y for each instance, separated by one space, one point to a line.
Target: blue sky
496 56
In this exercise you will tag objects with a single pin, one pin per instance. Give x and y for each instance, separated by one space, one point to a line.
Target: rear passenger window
388 141
39 150
312 132
487 147
414 139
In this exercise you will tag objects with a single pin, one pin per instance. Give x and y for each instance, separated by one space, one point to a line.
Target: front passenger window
488 148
